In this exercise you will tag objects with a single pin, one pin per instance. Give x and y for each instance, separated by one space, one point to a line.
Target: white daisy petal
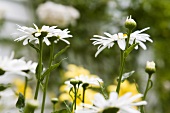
140 37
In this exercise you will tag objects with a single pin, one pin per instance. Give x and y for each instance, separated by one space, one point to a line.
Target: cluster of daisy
101 104
47 34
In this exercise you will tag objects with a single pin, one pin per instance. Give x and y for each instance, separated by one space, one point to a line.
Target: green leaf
129 50
67 106
4 86
32 45
20 102
126 75
103 91
61 111
61 51
51 69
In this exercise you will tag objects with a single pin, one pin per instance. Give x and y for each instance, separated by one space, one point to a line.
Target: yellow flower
73 71
19 84
125 87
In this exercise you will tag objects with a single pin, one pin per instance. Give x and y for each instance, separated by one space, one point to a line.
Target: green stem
47 77
39 68
75 97
53 107
25 87
145 93
84 89
122 62
128 38
147 87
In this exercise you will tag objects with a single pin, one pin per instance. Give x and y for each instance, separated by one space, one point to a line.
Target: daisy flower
140 38
108 41
123 104
60 35
32 34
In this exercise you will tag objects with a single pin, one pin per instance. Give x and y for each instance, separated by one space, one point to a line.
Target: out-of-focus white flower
123 104
32 34
51 13
10 66
140 38
2 11
109 41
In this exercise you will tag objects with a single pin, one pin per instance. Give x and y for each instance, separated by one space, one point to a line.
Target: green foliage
20 102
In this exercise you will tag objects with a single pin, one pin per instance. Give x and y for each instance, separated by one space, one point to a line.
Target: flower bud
31 105
130 23
74 81
85 85
54 100
150 67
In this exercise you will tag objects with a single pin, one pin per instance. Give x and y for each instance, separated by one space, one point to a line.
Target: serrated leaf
126 75
61 52
129 50
20 102
61 111
51 69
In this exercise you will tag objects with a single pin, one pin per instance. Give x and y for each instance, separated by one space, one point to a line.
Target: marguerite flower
32 34
140 38
60 35
109 41
123 104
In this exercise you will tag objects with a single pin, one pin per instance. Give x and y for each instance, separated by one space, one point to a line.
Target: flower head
123 104
140 38
59 35
150 67
109 41
33 34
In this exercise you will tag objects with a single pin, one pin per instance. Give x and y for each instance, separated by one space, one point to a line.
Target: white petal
122 44
46 41
99 50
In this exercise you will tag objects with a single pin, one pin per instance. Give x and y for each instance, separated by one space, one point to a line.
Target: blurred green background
97 17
